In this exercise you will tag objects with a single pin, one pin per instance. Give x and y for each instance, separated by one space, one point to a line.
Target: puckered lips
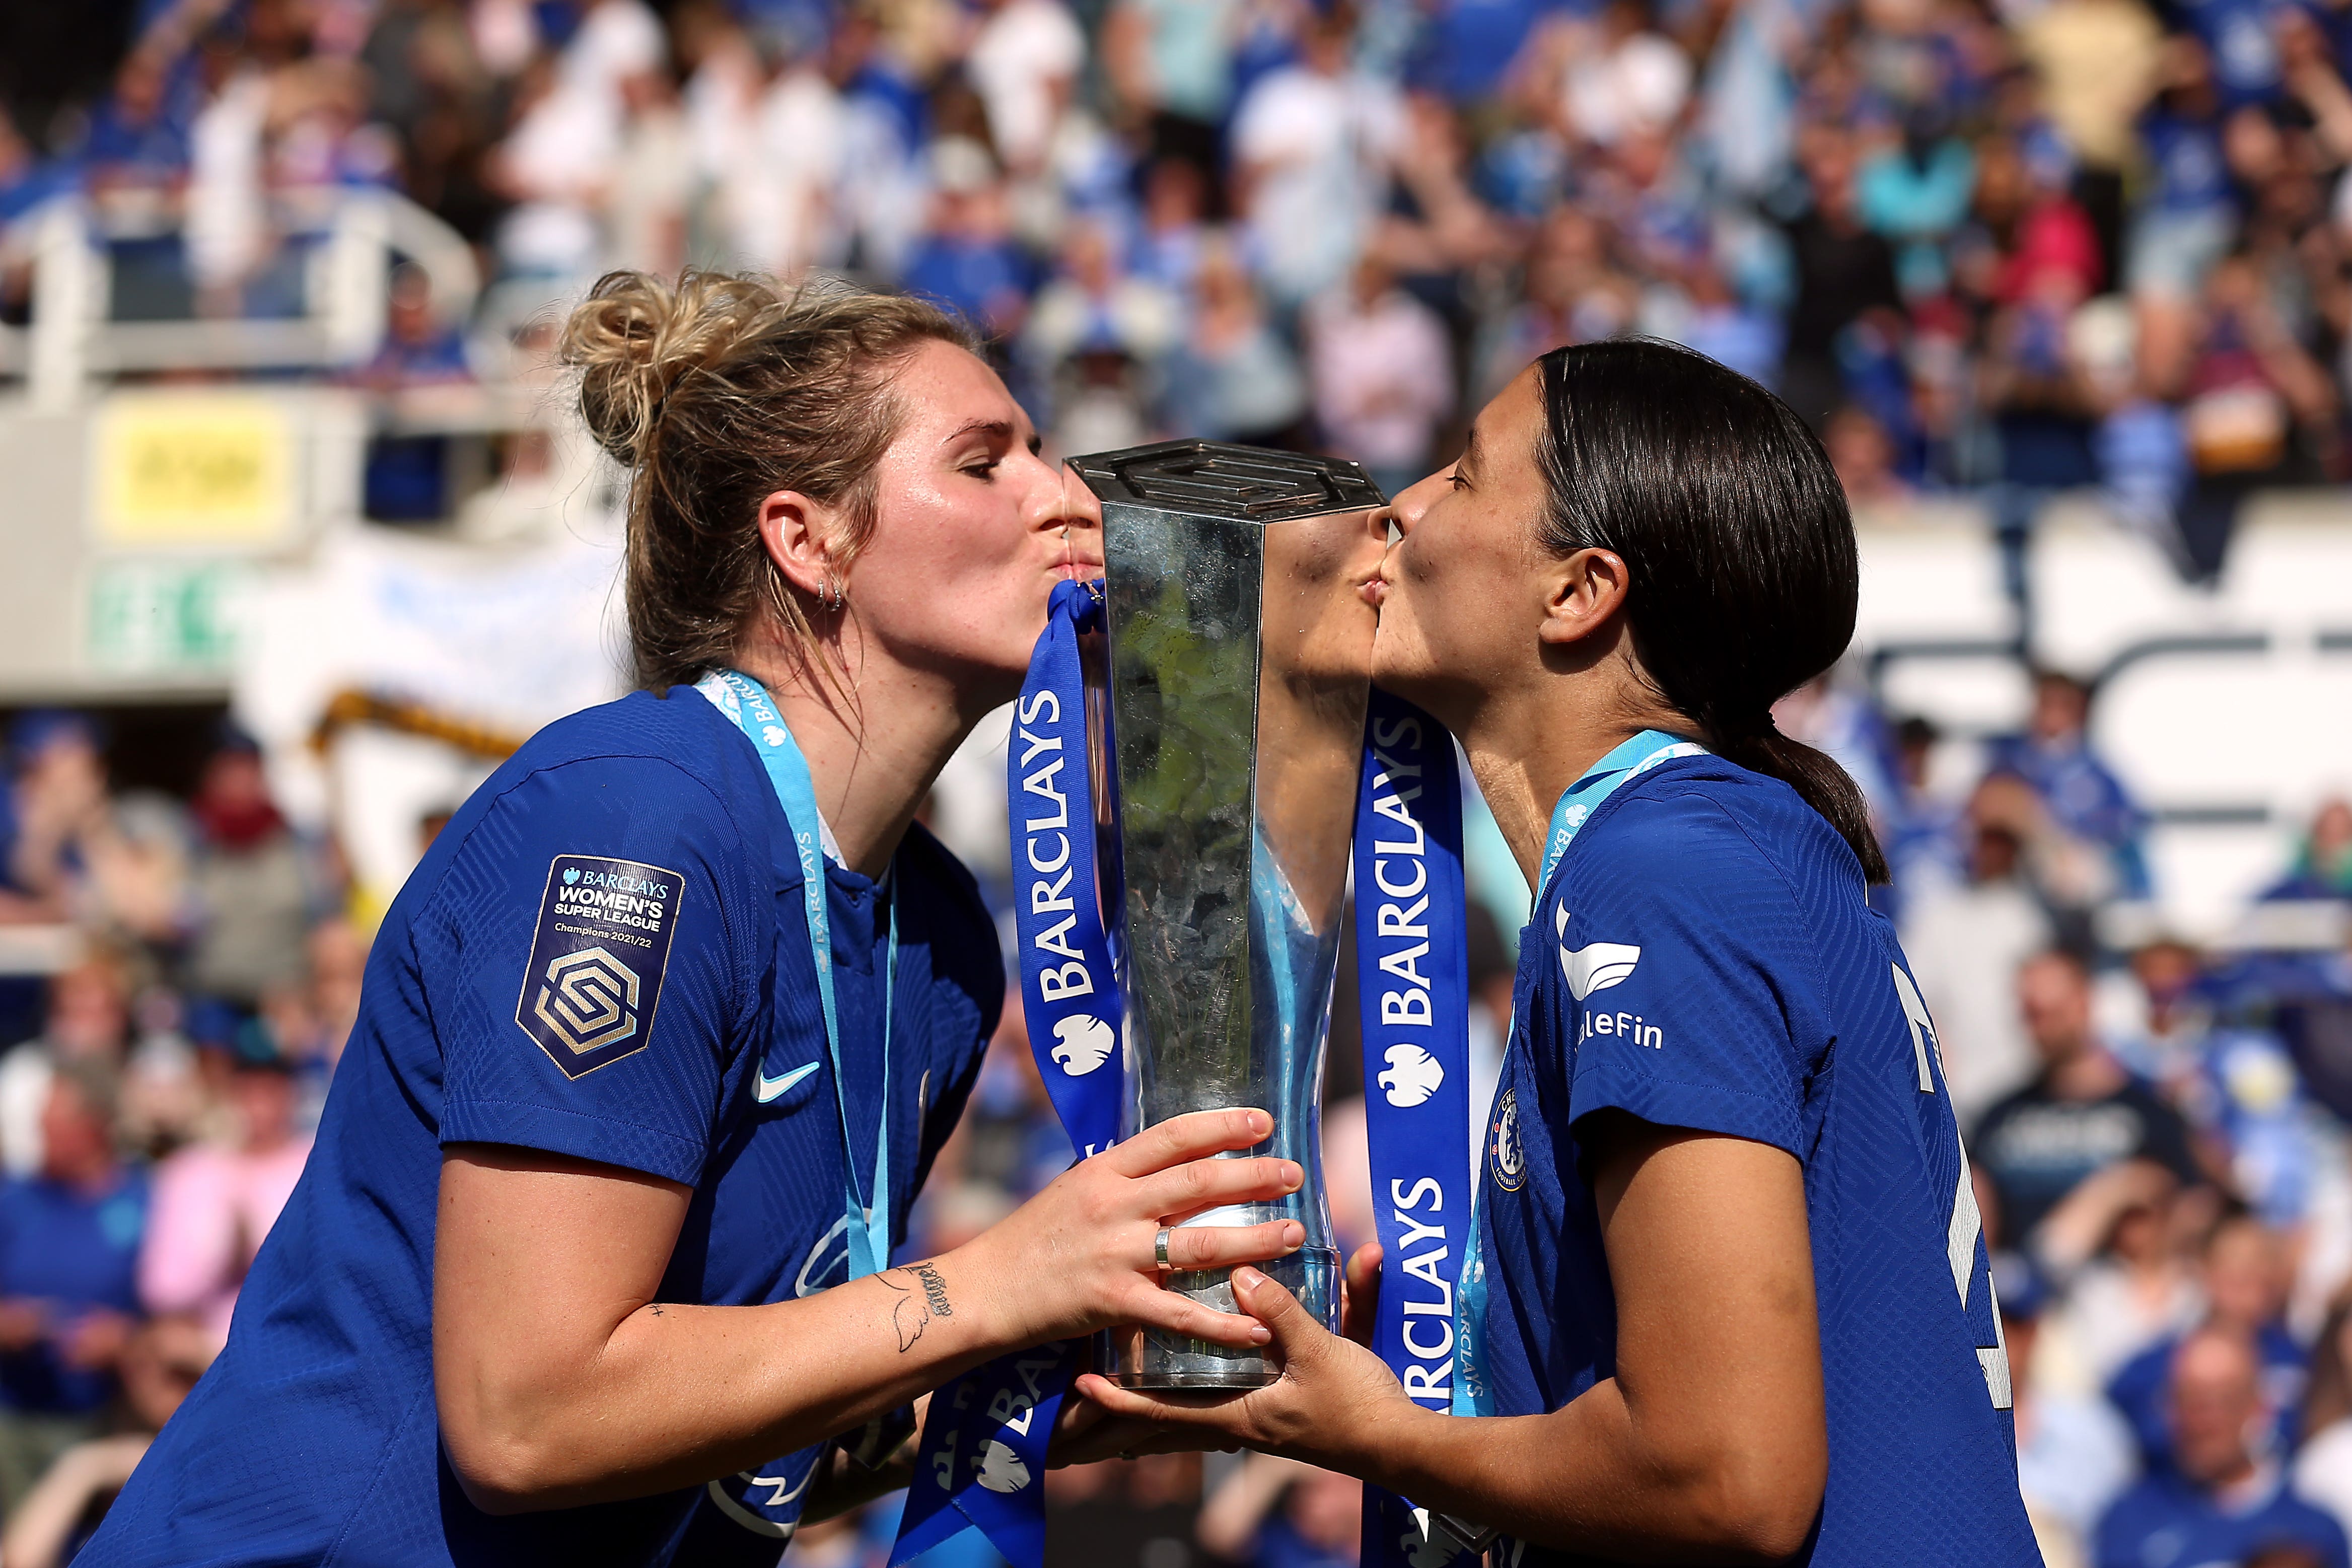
1081 557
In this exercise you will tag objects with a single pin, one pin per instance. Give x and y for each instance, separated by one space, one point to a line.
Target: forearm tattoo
916 1309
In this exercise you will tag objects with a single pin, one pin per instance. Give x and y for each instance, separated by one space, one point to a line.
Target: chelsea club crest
1505 1157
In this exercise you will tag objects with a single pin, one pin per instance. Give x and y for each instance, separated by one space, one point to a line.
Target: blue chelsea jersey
604 956
1705 958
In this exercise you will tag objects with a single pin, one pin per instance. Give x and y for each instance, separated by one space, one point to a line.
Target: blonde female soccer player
658 1042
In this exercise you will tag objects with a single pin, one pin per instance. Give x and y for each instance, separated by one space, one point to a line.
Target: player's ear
1584 590
795 531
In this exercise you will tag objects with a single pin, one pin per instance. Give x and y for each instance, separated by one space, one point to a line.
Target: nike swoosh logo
771 1087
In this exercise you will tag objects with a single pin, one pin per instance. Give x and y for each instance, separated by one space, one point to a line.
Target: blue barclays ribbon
1412 983
1069 979
982 1463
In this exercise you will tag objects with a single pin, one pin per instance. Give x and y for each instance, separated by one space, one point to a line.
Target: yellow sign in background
209 470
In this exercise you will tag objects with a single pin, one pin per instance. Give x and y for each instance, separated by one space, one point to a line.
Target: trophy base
1151 1359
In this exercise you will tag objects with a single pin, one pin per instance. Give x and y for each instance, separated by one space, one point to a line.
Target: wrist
976 1281
1389 1446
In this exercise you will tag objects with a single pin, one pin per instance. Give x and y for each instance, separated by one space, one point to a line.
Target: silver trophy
1234 676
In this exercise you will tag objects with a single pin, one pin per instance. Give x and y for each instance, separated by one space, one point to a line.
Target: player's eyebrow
994 430
1469 458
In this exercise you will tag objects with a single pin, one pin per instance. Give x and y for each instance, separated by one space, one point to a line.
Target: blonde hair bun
715 391
636 336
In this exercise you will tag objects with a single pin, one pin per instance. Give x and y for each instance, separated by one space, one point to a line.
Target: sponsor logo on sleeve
597 959
1598 966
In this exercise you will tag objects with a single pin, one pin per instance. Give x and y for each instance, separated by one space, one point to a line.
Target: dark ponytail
1736 541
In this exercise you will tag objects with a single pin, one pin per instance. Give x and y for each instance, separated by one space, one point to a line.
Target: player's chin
1401 666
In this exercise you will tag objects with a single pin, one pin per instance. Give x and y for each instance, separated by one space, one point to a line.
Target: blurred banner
483 641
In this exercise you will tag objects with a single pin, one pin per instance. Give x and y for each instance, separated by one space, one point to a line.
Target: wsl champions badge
597 960
1505 1156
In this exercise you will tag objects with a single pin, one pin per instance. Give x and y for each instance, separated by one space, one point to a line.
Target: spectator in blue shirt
2080 793
1928 840
2246 1279
27 179
969 261
47 771
2219 1504
2322 867
2248 1096
139 136
2189 214
1280 1513
68 1279
2242 36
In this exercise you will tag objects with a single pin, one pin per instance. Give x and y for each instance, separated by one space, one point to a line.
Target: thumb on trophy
1296 1331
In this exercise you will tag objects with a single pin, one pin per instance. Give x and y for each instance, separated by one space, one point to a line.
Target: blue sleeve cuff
1701 1106
584 1137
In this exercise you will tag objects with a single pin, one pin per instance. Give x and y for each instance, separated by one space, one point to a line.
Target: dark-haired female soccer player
591 1261
1735 1303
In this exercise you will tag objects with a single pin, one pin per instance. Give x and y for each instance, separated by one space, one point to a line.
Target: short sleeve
1684 978
588 964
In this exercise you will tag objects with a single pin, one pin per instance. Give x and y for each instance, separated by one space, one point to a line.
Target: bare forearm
679 1393
1708 1445
560 1381
1585 1479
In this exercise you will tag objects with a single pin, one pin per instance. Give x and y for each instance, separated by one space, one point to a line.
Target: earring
833 597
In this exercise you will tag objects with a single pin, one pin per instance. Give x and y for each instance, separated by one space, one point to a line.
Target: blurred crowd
2009 247
158 1090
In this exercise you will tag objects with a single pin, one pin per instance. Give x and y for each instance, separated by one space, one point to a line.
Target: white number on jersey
1966 1223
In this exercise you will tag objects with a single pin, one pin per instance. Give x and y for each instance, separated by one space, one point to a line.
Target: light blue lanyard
1473 1393
746 702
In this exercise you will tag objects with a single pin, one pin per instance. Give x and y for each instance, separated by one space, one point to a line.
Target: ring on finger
1160 1251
